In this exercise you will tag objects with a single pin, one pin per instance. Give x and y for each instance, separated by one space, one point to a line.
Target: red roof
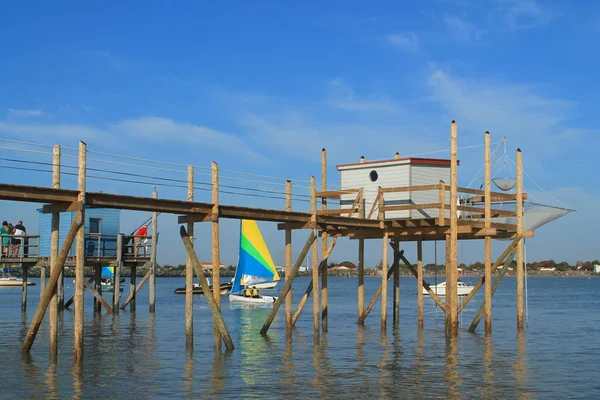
411 160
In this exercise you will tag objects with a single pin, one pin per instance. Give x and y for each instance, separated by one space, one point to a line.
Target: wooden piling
396 267
451 285
488 238
425 284
315 257
118 265
420 283
24 287
80 257
58 300
324 272
54 239
189 272
384 278
206 288
288 284
132 292
288 258
309 288
51 285
152 283
365 313
361 263
216 261
42 279
97 287
520 305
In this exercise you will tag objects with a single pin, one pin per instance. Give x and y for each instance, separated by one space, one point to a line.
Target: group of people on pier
11 242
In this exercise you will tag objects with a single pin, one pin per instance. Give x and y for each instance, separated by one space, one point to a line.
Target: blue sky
261 87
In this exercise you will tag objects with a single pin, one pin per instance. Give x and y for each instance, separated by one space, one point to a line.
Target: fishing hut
401 200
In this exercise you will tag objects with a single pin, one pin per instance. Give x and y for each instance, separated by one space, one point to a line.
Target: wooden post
396 267
118 265
425 284
132 291
309 288
54 239
494 287
97 287
361 262
42 279
288 284
420 283
488 238
206 288
288 258
365 313
315 257
520 307
58 301
51 285
24 287
442 200
80 257
324 298
216 259
189 272
384 278
451 286
152 284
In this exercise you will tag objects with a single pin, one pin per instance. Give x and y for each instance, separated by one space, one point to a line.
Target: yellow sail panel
251 233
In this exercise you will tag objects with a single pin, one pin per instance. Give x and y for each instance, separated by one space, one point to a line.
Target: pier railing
27 247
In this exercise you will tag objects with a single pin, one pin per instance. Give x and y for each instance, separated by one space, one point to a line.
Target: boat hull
440 289
197 289
265 285
11 281
252 300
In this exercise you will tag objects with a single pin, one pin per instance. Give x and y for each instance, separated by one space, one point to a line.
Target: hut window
373 175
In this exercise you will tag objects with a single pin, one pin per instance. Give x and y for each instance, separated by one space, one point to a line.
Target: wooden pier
359 221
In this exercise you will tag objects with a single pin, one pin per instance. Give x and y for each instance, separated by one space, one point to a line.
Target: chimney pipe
397 156
362 159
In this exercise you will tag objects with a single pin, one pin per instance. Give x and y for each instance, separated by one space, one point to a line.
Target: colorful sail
108 271
254 258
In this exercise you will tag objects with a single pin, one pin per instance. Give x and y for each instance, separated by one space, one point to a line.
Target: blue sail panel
248 265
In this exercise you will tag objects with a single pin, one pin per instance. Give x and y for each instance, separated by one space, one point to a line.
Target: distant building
103 221
397 172
207 265
596 269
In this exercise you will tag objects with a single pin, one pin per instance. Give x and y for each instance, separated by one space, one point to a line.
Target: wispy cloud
524 14
106 56
342 96
463 30
166 130
21 113
407 42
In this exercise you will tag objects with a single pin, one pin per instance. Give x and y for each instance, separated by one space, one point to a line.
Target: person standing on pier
137 240
21 227
18 230
4 232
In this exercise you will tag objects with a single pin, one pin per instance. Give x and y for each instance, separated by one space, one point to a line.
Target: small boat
14 281
254 263
108 284
197 288
440 289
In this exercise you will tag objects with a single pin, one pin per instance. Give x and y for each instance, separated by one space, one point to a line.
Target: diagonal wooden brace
425 284
137 288
309 289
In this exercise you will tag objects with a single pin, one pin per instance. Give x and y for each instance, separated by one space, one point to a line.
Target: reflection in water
217 380
76 373
32 372
384 367
360 349
52 381
452 376
420 365
490 390
289 376
521 372
188 376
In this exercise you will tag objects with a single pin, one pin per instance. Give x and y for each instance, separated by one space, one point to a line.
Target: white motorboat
440 289
13 281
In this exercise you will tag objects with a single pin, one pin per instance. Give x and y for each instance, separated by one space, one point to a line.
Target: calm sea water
143 355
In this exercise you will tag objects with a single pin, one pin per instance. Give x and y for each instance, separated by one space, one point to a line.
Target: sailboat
254 263
107 281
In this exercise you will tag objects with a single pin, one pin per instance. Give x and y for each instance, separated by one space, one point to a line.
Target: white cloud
342 96
462 30
162 130
407 41
24 113
524 14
